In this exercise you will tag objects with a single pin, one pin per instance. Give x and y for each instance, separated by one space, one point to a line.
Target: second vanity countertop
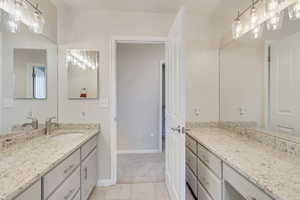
277 173
23 164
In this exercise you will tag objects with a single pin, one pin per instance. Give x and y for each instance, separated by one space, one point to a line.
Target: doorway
140 117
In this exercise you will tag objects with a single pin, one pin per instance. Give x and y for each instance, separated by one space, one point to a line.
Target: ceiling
157 6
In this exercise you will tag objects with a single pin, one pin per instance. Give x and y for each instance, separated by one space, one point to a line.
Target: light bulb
294 11
237 28
253 18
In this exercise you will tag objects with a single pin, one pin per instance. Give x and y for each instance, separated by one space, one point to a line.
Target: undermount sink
67 136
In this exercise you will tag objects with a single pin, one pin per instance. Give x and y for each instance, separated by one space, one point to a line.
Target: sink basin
68 136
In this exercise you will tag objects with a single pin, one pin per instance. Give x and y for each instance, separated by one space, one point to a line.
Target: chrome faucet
34 123
49 124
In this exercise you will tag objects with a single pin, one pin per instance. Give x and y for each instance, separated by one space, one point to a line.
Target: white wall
93 30
202 72
138 93
242 81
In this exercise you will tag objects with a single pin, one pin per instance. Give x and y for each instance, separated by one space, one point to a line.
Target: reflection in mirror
259 80
83 72
30 73
28 64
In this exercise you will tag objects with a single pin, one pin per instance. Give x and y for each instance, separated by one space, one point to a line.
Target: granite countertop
275 172
23 164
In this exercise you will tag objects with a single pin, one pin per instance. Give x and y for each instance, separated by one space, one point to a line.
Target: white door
285 83
175 110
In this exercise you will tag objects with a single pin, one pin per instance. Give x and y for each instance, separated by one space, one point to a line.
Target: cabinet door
88 175
33 193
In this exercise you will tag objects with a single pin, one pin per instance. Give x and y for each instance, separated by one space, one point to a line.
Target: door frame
113 89
161 63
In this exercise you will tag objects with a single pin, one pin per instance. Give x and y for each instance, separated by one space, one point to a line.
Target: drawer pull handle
251 198
68 169
85 173
69 194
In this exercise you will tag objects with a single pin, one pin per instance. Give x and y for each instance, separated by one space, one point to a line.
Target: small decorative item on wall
83 93
83 74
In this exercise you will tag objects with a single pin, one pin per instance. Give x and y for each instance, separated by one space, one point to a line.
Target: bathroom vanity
62 166
222 165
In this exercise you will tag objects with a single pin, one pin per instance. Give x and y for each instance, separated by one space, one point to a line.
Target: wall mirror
28 63
260 82
30 68
83 74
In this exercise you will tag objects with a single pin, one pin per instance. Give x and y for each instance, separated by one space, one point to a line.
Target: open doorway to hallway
140 75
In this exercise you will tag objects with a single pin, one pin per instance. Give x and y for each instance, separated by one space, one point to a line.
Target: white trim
105 182
113 115
139 151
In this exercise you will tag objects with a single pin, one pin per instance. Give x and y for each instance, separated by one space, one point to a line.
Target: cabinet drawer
212 161
209 181
202 194
242 185
34 192
56 176
191 143
191 160
191 179
69 188
88 147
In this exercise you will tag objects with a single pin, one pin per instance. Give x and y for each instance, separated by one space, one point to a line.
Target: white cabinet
56 176
69 188
34 192
88 174
242 186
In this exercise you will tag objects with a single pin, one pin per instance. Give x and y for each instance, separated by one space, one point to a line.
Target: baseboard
105 182
140 151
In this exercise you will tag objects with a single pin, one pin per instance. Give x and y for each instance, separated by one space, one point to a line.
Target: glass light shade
237 28
253 18
257 32
294 11
271 7
37 24
275 22
13 25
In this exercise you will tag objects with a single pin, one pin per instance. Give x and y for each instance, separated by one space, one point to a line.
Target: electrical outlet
197 112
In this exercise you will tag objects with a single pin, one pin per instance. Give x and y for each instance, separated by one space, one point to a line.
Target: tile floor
140 191
141 168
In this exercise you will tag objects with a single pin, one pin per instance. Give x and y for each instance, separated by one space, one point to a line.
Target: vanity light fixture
23 11
294 11
274 12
